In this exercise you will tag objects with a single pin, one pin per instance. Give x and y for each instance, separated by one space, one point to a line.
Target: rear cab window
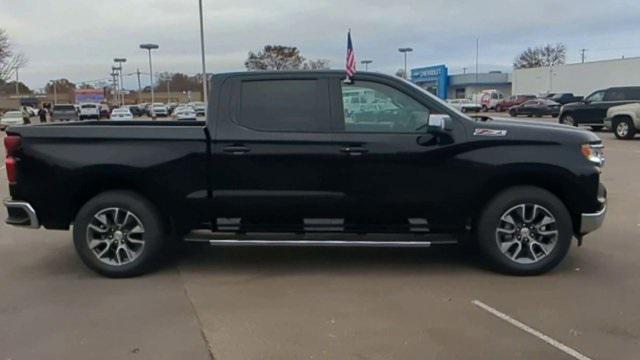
284 105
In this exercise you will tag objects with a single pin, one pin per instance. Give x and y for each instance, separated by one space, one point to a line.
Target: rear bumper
21 213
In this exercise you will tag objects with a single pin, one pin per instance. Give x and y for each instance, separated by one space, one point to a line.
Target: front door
274 153
398 174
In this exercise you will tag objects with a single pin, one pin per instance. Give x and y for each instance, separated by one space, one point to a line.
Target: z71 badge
489 132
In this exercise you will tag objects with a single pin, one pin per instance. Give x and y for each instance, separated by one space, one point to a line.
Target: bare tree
319 64
547 55
9 61
275 57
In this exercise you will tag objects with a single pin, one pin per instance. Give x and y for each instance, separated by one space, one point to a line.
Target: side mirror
439 124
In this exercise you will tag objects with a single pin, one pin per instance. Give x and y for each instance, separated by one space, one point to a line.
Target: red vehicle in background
514 100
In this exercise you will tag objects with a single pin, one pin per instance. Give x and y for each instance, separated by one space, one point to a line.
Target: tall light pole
116 70
405 51
114 76
121 61
366 64
204 67
150 47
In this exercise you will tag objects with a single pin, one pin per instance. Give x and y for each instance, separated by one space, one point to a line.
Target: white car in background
160 110
11 118
121 114
198 107
184 113
465 105
89 111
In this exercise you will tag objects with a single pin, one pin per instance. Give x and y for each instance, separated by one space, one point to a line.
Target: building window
461 93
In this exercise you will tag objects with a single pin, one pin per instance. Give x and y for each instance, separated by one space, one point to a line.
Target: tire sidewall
154 235
489 222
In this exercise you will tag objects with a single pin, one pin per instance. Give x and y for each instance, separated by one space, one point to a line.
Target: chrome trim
591 222
26 207
320 243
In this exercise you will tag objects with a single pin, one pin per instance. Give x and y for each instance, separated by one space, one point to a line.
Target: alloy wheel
527 233
115 236
568 120
622 129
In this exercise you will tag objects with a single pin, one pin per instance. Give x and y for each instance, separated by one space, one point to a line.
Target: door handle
236 149
354 150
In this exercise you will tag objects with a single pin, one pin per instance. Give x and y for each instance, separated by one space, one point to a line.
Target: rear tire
623 128
513 113
531 244
119 234
568 120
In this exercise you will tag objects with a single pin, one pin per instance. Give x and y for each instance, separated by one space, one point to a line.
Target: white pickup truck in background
89 111
624 120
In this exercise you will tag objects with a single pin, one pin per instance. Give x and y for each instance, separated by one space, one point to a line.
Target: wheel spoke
98 229
505 246
517 251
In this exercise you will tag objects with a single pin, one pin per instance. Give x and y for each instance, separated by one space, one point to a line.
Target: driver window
597 96
374 107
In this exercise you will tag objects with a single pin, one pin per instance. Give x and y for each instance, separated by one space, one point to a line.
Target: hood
539 131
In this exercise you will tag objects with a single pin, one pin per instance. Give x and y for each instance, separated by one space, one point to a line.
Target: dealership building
437 80
581 79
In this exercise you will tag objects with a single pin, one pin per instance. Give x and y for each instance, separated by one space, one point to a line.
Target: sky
78 39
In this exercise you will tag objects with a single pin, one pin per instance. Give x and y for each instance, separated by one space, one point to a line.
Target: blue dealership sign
434 77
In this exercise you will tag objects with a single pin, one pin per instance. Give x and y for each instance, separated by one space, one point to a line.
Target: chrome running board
321 243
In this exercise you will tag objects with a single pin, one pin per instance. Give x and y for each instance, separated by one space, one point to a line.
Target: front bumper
590 222
608 124
21 213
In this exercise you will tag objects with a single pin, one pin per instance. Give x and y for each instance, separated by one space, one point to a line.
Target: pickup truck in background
624 120
285 159
593 109
89 111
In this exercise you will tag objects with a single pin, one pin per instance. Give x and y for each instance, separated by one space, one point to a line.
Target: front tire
524 230
624 128
568 120
119 234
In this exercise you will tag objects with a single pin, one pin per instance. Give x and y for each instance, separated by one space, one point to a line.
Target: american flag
351 58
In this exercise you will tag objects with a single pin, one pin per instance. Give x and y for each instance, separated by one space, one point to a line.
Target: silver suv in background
64 112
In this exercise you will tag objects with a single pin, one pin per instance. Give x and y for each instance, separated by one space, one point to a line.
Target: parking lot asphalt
285 303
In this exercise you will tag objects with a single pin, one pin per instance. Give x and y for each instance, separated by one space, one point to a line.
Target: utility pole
116 73
477 56
55 92
464 70
17 82
582 51
114 77
168 90
121 61
139 85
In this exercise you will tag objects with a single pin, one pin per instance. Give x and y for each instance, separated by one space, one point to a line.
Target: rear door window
632 93
285 105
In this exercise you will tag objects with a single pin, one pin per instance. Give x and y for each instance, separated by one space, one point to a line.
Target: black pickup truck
307 159
592 110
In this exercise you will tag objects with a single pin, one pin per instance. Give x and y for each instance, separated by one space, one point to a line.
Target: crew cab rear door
274 151
396 172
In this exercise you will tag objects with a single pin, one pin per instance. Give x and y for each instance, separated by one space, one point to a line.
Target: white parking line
530 330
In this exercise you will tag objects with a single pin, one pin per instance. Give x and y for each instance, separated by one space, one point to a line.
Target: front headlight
594 153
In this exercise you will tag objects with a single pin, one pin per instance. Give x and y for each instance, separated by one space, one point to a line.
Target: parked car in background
198 107
184 113
593 109
565 98
11 118
160 110
536 107
465 105
121 114
281 164
64 112
135 110
105 111
624 120
505 104
89 111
